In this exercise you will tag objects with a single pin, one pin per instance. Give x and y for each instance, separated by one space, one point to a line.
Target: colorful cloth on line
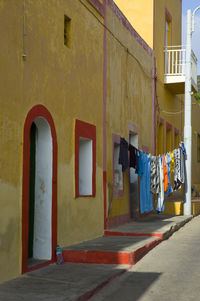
172 164
160 201
169 187
165 173
179 173
123 154
144 172
134 157
155 175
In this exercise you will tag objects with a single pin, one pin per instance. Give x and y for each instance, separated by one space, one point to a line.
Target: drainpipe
154 78
187 126
104 116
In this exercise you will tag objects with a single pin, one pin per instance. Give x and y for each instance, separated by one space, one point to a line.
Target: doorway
40 192
39 203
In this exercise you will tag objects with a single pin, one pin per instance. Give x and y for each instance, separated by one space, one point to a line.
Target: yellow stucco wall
69 83
162 8
140 15
129 97
196 206
11 131
148 18
195 132
173 208
170 107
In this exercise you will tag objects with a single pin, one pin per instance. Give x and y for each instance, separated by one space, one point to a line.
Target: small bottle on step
59 255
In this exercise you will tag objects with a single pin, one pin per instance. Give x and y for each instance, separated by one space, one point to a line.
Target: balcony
174 77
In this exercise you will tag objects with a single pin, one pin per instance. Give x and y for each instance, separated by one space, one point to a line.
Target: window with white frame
85 159
85 166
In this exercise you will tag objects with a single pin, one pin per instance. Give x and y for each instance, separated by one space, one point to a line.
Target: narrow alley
169 272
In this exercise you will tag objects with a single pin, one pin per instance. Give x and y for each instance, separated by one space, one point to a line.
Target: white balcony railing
175 58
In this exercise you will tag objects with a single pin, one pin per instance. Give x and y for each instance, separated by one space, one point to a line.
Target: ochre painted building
161 28
75 77
51 96
159 23
129 111
196 144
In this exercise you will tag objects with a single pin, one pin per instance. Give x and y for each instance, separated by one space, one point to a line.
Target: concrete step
126 244
153 225
111 250
69 281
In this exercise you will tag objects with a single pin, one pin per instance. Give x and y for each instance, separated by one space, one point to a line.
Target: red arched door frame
37 111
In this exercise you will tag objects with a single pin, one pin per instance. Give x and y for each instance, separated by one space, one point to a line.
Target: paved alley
150 278
170 272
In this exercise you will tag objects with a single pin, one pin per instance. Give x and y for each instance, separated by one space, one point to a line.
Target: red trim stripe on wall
98 6
104 115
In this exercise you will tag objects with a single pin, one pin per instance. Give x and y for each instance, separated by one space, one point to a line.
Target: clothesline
155 172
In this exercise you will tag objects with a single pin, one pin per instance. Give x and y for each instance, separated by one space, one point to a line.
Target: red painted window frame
145 149
85 130
116 193
98 6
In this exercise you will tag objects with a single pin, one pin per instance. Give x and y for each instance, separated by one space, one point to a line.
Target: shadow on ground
129 287
69 282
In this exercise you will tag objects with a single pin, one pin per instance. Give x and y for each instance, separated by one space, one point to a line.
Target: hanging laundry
172 164
169 188
160 201
134 157
123 154
179 173
155 175
140 164
144 172
183 167
165 173
183 154
182 146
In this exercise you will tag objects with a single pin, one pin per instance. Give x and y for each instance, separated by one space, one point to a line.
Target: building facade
129 110
159 23
76 76
51 130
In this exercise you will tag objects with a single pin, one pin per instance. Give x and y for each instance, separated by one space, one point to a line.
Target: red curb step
134 257
106 257
101 257
115 233
91 293
141 252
